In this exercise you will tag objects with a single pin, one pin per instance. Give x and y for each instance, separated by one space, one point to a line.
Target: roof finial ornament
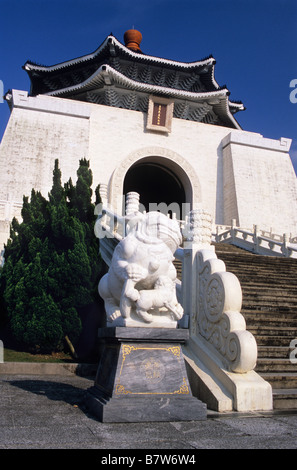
132 39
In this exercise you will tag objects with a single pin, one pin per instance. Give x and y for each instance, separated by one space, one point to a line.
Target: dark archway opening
156 184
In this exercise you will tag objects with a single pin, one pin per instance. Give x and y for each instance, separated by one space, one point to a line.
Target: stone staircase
269 288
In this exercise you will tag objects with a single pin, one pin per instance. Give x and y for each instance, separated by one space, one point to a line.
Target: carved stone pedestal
142 377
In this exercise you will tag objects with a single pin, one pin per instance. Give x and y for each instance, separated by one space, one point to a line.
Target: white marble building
162 128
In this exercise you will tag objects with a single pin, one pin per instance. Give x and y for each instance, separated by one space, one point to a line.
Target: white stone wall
233 174
33 139
118 134
259 183
39 131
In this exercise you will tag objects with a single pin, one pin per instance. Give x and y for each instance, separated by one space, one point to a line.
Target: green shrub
52 265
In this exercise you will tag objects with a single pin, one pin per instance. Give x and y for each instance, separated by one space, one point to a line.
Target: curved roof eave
236 106
98 78
223 110
30 66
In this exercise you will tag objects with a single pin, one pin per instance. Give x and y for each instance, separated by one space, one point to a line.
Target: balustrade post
198 232
104 193
233 226
256 239
217 234
284 248
132 203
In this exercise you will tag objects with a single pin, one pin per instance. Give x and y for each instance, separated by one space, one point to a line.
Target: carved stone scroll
216 313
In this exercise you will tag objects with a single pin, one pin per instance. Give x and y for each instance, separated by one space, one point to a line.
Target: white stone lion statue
140 286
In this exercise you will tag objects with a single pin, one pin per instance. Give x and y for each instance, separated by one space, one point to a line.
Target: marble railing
257 241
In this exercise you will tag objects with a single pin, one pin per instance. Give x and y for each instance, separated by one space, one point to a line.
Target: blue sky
253 41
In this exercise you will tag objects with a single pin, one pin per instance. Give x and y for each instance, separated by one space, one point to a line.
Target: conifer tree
52 265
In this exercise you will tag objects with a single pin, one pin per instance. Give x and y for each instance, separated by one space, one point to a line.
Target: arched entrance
160 188
171 162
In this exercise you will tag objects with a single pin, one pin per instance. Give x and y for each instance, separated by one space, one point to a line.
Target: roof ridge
30 65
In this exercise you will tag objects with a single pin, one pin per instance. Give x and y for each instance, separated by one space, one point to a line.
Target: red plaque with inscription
159 114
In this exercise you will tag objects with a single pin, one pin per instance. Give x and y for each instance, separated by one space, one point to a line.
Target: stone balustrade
256 240
262 242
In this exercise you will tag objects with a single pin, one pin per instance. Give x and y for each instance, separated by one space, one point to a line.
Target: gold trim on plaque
127 349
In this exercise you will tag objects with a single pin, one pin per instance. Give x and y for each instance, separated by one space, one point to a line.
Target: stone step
277 306
282 285
261 326
264 262
270 313
271 318
269 340
277 289
264 282
285 399
270 330
271 304
225 247
270 310
266 287
229 248
253 259
252 305
273 299
277 365
284 380
260 276
257 267
274 352
256 260
259 270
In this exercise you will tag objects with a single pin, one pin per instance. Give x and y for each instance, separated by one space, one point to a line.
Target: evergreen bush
52 265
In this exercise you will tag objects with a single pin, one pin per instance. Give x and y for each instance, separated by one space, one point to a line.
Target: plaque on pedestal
142 377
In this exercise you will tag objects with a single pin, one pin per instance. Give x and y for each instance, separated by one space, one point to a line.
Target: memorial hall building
163 128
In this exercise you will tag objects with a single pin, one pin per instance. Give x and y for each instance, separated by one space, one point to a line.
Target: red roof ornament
132 39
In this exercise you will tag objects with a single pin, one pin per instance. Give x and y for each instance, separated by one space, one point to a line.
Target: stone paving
47 412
